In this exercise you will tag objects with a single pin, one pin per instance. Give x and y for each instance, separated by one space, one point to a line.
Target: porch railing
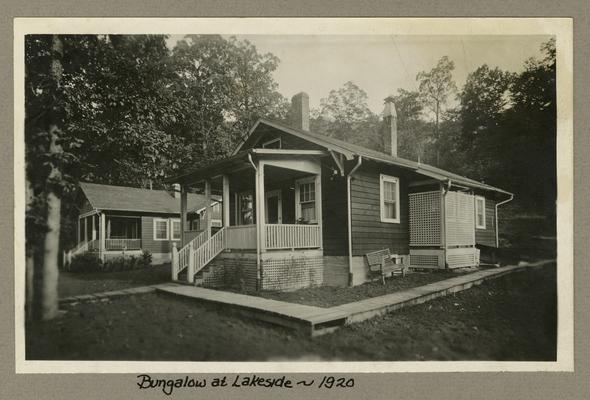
181 260
293 236
207 252
80 248
240 237
123 244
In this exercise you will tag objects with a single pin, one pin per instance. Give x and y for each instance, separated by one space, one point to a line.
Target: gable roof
123 198
351 150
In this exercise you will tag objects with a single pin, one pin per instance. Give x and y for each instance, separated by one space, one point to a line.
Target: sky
381 64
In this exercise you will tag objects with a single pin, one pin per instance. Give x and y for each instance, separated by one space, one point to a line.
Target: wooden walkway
318 320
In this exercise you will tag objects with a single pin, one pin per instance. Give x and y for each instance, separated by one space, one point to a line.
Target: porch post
85 229
93 228
208 207
318 207
102 230
225 199
183 221
260 207
78 233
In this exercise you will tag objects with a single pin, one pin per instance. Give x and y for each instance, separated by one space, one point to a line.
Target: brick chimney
389 129
176 190
300 111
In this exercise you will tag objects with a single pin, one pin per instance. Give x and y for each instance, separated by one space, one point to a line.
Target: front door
273 207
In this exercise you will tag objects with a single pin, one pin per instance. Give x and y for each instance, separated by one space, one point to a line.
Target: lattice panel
462 257
422 260
425 219
459 216
292 273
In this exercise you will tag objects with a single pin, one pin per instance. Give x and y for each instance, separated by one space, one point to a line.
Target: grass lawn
72 284
329 296
510 318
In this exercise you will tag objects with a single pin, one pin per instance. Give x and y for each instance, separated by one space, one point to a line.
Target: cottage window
246 207
306 205
389 196
176 233
480 212
160 229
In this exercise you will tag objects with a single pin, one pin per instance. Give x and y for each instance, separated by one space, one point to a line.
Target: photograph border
561 28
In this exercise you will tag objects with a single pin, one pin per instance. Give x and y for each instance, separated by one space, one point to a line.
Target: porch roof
123 198
240 160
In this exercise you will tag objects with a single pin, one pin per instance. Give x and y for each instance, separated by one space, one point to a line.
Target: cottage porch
271 202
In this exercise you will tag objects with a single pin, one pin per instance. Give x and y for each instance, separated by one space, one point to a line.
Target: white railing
123 244
181 258
293 236
240 237
205 253
80 248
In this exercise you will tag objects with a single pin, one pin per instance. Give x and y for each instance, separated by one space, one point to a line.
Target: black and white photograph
318 191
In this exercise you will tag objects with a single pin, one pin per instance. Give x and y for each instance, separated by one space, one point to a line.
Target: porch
271 213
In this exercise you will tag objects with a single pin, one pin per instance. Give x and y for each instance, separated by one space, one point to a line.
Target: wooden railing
240 237
205 253
80 248
181 258
123 244
293 236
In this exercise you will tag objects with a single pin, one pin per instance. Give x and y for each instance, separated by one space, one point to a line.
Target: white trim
172 222
483 202
273 141
302 181
274 193
392 179
167 221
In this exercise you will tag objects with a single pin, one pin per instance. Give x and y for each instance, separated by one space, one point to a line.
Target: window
176 233
246 208
480 212
389 196
272 144
305 195
160 229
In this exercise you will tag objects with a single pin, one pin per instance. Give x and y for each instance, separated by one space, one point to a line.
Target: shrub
146 258
87 262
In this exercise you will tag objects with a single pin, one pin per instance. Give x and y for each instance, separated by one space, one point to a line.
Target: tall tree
413 133
345 115
435 86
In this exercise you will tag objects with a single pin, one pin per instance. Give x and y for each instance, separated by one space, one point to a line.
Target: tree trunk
49 295
29 262
437 134
50 271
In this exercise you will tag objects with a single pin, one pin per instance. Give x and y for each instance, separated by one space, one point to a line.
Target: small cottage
302 209
118 220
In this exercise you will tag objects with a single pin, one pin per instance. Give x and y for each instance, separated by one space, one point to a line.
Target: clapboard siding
368 232
334 213
147 238
487 236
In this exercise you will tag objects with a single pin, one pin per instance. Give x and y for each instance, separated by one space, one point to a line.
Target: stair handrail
180 258
205 253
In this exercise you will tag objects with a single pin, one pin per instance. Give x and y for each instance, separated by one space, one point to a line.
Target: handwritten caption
167 386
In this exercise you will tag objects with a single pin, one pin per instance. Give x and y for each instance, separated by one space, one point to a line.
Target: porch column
78 232
85 229
225 203
93 228
183 220
208 206
260 207
101 227
318 206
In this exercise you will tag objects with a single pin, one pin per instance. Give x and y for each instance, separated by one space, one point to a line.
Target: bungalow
303 209
118 220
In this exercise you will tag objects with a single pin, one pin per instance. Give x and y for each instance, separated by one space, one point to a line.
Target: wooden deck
317 320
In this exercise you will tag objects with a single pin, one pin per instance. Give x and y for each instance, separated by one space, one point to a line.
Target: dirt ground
73 284
511 318
329 296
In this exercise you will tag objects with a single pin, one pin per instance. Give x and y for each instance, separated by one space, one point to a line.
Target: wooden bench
382 262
